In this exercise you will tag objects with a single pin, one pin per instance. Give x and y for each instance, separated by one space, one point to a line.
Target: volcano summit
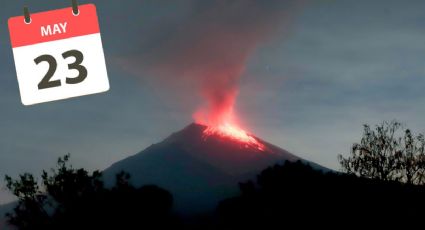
201 165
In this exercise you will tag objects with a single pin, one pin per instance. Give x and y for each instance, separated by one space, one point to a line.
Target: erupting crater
234 133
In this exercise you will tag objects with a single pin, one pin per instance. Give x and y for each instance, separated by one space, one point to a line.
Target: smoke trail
210 49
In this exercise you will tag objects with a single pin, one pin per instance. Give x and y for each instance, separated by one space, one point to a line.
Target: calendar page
58 55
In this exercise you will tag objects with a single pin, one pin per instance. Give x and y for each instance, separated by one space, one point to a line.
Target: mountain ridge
199 170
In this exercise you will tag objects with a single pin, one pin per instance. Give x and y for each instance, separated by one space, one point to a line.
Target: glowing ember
234 133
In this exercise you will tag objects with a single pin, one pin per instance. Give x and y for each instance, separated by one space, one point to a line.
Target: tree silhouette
76 199
30 212
389 153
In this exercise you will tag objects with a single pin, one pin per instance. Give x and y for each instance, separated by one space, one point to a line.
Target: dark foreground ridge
298 194
283 195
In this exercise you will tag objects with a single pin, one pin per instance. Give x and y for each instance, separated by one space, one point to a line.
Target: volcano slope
198 169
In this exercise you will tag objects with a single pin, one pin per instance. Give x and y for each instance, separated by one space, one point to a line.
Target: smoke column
210 48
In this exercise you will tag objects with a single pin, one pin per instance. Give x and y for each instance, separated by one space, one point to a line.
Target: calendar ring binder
27 15
75 9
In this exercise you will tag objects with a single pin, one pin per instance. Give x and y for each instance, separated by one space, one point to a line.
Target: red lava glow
219 116
234 133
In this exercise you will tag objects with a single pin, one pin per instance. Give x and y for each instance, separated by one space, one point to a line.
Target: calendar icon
58 55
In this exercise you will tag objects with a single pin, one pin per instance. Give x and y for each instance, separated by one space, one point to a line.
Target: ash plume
209 50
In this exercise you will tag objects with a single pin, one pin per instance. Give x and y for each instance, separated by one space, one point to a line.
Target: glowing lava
234 133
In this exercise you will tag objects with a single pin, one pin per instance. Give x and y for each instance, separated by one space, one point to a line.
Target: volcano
200 165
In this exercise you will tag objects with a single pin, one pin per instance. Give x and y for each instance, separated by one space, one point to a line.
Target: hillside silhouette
293 191
297 193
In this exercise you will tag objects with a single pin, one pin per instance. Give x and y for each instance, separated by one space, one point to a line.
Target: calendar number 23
46 82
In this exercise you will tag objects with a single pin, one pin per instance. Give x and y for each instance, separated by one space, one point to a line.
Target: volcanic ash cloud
209 50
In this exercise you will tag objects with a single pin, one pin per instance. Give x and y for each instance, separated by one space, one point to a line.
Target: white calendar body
58 55
30 74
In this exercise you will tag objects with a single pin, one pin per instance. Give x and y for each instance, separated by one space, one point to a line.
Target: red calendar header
53 25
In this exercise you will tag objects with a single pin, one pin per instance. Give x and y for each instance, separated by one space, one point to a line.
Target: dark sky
318 72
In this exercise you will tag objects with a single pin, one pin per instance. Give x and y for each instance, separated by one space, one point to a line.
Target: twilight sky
315 72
